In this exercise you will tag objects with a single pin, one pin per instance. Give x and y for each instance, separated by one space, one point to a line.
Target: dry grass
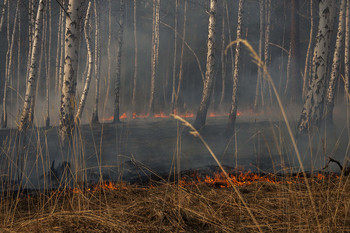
171 208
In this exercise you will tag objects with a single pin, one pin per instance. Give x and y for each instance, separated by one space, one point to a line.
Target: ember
163 115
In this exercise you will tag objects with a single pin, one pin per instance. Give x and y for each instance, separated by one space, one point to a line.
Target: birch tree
94 117
154 57
223 57
2 17
66 125
33 68
118 65
173 93
209 74
336 64
347 52
48 62
88 76
312 112
261 38
182 55
234 104
133 101
8 69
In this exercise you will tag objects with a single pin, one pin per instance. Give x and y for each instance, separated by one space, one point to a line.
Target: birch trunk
33 69
48 73
347 53
173 93
261 38
94 118
3 10
296 82
234 104
208 83
109 51
223 58
8 68
312 112
336 64
181 56
58 50
88 76
66 125
119 60
155 49
18 60
308 50
133 102
62 55
267 46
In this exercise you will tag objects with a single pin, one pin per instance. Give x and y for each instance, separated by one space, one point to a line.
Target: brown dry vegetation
172 208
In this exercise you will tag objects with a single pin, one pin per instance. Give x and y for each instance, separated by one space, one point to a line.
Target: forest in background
137 68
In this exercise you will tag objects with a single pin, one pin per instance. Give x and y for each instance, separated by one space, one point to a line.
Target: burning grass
199 207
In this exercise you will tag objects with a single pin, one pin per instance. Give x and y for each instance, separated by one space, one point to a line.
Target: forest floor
271 201
276 207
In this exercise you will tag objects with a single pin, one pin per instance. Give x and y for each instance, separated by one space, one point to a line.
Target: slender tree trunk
3 10
94 118
62 56
223 57
18 60
58 51
308 50
33 69
347 53
9 67
109 51
181 56
88 76
136 56
208 83
336 64
267 45
66 125
296 82
259 78
173 93
155 50
119 60
48 62
312 112
234 104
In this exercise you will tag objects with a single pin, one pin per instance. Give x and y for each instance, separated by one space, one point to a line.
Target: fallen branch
346 170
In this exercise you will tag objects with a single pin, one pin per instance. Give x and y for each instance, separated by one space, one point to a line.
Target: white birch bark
3 10
312 112
234 104
155 50
94 117
209 79
62 55
68 103
33 69
58 50
336 64
119 60
88 76
347 52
